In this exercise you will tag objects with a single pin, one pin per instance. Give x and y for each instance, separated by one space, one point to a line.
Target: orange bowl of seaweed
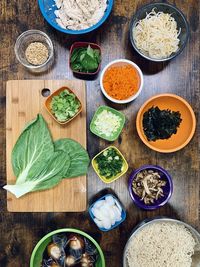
181 113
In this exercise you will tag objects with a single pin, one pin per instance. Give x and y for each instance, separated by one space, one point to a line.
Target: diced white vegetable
117 213
98 204
106 223
98 214
107 123
107 212
110 200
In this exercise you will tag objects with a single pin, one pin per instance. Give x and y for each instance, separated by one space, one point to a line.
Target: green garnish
110 163
160 124
65 105
85 59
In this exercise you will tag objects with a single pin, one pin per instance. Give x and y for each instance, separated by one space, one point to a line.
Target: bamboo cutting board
23 102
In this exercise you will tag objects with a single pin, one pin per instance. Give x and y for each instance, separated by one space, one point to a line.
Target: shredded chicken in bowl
79 14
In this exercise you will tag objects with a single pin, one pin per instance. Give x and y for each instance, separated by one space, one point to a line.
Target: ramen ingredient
79 14
73 250
109 163
160 124
85 59
107 123
161 244
107 212
148 185
79 159
121 81
157 35
65 105
36 53
38 164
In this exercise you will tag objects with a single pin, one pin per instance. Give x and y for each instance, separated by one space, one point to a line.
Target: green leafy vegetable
85 59
110 163
39 165
79 159
160 124
65 105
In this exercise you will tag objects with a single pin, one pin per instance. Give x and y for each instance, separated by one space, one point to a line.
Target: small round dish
120 62
48 7
185 131
175 13
24 40
37 254
167 189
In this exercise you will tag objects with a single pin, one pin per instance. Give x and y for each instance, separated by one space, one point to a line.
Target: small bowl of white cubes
107 212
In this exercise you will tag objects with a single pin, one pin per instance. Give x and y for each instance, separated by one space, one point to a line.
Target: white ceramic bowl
133 96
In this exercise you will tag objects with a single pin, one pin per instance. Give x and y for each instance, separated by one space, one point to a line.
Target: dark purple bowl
168 189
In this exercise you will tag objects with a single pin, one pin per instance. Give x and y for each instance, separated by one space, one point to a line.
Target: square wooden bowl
57 92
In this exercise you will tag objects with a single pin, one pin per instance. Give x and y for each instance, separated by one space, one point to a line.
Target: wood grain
24 100
20 232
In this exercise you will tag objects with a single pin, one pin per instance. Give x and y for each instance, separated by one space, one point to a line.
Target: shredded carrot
121 81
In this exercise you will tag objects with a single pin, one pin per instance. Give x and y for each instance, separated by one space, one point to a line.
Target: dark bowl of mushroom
150 187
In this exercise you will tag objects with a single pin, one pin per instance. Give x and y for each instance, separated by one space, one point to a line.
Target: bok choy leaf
39 163
79 159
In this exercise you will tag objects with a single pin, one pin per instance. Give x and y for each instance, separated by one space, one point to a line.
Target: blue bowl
123 215
47 8
168 189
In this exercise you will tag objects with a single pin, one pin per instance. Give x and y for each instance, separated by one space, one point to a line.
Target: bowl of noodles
159 31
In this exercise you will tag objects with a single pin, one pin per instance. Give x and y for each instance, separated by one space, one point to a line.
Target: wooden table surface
19 232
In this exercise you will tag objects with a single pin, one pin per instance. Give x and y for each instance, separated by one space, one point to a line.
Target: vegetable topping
110 163
121 81
65 105
160 124
39 163
85 59
148 186
107 123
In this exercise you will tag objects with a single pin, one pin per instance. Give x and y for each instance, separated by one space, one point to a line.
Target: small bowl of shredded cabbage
159 31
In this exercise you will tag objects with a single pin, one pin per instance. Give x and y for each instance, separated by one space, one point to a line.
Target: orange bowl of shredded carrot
121 81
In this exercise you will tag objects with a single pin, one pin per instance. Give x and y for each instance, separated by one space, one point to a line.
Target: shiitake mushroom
54 251
70 261
76 246
70 251
87 261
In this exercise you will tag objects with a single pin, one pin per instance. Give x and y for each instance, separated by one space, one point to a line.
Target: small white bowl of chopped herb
85 58
107 123
63 105
109 164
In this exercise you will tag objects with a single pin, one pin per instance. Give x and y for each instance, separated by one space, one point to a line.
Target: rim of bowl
143 205
130 99
74 32
146 142
67 230
29 32
134 19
